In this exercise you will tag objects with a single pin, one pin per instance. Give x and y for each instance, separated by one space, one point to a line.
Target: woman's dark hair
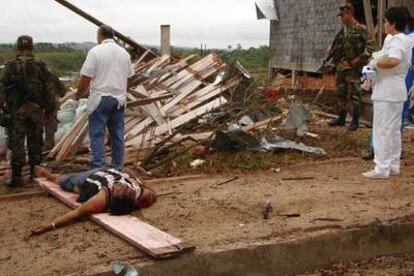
121 205
398 17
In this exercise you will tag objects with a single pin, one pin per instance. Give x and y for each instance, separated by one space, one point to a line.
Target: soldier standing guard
350 51
25 98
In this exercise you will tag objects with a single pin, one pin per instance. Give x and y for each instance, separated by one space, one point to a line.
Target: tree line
69 57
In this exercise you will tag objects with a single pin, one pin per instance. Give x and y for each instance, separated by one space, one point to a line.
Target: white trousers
387 136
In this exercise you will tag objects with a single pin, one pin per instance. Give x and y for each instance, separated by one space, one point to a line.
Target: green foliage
60 58
61 63
252 58
255 60
66 57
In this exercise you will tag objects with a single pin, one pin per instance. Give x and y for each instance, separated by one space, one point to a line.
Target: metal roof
266 9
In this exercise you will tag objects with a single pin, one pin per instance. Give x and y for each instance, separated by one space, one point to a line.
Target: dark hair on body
397 16
121 205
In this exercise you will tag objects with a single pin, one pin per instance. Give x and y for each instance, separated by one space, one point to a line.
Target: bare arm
388 63
94 205
83 86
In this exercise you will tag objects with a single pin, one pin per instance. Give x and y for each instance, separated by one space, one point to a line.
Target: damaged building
301 30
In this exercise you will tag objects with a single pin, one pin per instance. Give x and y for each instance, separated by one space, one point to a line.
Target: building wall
408 3
306 27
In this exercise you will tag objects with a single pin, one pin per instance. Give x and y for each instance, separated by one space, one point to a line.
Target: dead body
100 190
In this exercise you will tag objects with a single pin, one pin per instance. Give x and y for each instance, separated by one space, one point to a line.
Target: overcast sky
218 23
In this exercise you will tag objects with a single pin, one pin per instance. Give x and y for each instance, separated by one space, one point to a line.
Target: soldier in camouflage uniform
350 51
24 99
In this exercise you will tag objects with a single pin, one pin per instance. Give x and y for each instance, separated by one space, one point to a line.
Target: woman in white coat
389 95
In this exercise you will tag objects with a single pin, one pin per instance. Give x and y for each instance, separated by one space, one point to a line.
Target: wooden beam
151 240
380 23
162 129
147 101
368 17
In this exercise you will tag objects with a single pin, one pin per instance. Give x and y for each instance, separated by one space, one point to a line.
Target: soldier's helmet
346 7
25 42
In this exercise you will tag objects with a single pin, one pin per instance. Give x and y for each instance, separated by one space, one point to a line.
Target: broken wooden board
149 239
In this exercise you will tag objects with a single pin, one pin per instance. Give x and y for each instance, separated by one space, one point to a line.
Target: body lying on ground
100 190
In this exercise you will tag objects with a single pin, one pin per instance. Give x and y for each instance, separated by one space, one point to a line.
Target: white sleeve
89 66
131 71
397 49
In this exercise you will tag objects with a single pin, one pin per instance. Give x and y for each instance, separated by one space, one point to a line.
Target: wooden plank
177 110
368 18
183 119
262 124
68 136
69 95
151 109
148 100
141 58
146 237
70 139
171 107
381 11
184 74
73 146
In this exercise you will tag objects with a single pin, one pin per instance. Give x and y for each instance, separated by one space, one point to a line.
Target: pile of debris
168 94
173 102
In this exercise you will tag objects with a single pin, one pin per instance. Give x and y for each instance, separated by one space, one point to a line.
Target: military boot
368 155
16 180
354 125
340 121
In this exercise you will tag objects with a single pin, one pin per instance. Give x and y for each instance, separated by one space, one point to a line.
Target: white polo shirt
109 66
390 83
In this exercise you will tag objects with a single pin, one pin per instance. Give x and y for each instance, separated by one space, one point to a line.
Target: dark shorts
76 179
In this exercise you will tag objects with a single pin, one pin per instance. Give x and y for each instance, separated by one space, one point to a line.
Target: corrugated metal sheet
266 9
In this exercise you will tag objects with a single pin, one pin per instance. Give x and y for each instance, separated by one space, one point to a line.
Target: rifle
331 53
141 50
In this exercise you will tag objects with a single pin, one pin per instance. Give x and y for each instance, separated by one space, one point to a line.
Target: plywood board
144 236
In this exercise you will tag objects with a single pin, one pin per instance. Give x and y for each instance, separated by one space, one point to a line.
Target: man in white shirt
106 71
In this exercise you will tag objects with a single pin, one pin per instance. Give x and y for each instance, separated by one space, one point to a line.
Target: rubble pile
167 94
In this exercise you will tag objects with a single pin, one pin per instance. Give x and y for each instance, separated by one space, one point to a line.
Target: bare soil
389 265
332 196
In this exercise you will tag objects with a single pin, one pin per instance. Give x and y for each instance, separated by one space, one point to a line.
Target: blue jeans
409 80
107 114
69 182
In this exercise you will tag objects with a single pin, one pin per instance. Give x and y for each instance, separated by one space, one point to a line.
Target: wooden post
294 79
368 17
381 11
165 40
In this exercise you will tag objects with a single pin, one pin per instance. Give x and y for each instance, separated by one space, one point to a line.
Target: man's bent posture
100 190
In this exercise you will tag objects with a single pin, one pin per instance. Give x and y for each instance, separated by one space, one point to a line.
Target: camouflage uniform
51 123
25 96
352 42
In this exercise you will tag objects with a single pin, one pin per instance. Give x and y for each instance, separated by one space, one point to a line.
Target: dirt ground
328 195
391 265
